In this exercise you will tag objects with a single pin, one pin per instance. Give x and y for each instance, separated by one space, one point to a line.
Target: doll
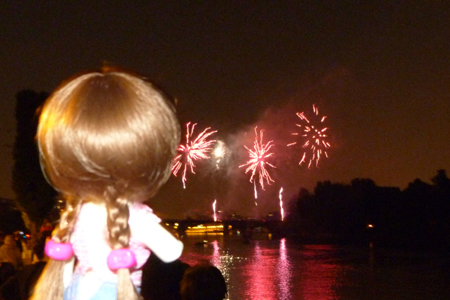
106 142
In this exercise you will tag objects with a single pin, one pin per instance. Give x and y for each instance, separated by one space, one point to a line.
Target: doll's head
108 137
107 134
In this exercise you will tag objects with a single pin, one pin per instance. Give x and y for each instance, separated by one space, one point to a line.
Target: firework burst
192 150
257 162
219 153
314 134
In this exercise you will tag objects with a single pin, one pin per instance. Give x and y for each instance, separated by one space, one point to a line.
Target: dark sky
379 70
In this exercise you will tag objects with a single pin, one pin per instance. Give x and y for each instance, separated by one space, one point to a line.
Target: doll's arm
160 241
68 272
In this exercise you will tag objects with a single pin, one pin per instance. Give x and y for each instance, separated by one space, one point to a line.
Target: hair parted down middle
108 137
108 129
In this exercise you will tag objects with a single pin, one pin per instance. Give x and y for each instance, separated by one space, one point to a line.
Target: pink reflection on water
269 275
215 260
273 270
259 274
284 272
320 275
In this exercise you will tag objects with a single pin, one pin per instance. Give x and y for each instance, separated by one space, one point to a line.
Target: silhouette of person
10 253
162 280
203 282
20 285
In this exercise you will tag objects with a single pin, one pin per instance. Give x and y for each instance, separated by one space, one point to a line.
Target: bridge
243 227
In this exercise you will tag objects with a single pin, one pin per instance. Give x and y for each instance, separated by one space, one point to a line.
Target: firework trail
192 150
256 192
315 144
214 209
281 205
257 162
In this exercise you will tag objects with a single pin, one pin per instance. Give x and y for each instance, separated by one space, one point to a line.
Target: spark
257 162
192 151
281 204
314 134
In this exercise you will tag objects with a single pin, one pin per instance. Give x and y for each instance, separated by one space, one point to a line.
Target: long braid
68 220
117 219
119 237
50 284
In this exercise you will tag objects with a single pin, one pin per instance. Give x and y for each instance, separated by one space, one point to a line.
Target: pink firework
192 150
257 162
314 133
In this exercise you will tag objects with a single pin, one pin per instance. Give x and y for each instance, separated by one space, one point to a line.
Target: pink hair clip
58 251
121 259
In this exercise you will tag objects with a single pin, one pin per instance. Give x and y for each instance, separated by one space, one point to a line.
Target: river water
266 269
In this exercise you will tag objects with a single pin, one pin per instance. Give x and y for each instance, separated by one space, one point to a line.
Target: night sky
379 70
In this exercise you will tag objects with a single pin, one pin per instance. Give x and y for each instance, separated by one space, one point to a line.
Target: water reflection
252 271
220 261
264 269
284 272
280 270
319 273
259 275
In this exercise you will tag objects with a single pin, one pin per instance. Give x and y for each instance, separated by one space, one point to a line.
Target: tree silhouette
415 218
441 180
34 195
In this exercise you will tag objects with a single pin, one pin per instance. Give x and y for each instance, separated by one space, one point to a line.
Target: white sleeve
68 272
160 241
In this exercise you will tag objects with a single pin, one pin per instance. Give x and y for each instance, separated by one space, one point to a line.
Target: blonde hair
107 136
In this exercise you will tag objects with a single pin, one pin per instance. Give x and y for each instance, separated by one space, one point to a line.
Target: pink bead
121 259
58 251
